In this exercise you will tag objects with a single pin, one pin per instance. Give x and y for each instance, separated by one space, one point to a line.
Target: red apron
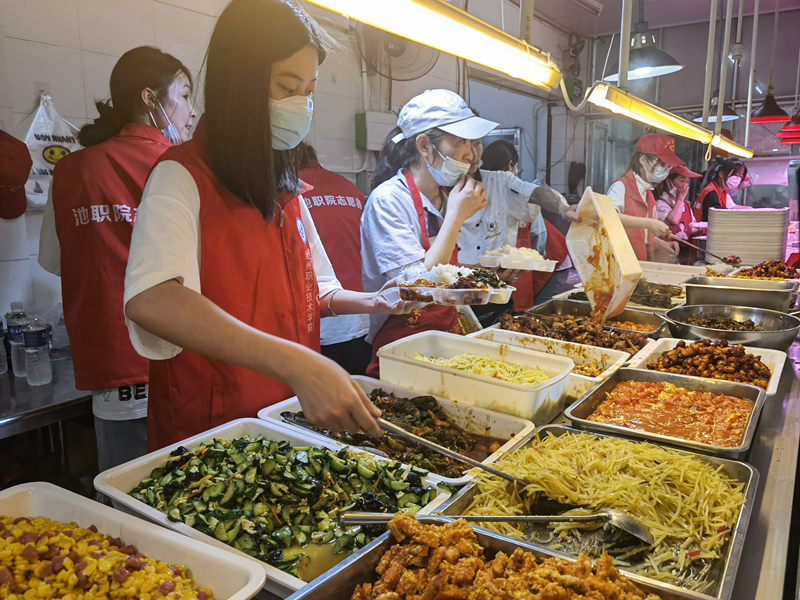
523 297
430 318
643 241
259 272
96 193
555 248
698 204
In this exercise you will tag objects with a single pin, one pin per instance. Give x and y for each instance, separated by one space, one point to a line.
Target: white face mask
451 170
733 183
658 174
291 120
171 132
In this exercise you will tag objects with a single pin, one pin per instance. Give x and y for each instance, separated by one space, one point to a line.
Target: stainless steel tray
723 572
773 295
579 412
562 306
339 582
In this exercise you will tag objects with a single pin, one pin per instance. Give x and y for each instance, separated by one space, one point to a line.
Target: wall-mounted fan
392 56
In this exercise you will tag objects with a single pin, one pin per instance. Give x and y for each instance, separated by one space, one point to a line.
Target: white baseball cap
444 110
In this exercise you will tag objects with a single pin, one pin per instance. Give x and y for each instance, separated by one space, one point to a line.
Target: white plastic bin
538 403
229 577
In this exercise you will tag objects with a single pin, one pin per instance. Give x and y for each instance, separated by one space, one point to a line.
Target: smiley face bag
49 138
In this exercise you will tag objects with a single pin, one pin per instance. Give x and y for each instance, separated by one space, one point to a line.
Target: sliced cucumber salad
263 496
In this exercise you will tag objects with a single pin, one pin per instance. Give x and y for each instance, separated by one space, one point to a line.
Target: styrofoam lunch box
230 577
581 354
539 403
471 419
518 262
117 482
774 359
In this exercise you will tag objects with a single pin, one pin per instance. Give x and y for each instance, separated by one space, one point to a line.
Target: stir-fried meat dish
467 283
733 260
489 278
646 327
424 417
571 328
446 562
771 269
723 323
715 360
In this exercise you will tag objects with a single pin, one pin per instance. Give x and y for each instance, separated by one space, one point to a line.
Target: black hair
663 187
499 156
304 155
249 37
137 69
636 166
726 167
402 155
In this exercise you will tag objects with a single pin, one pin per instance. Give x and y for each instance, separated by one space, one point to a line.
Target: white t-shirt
617 192
391 238
166 245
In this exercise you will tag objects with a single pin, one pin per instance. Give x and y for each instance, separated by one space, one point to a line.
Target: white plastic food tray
117 482
472 419
229 577
519 262
774 359
668 274
538 403
608 360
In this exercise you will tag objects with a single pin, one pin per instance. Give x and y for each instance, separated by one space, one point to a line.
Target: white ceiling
658 13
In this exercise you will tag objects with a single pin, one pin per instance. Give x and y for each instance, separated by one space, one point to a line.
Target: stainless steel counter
23 408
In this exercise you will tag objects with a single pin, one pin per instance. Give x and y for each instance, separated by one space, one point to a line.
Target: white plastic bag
49 138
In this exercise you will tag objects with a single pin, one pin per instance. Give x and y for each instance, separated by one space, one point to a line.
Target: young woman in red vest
724 178
86 235
411 224
632 195
227 277
673 208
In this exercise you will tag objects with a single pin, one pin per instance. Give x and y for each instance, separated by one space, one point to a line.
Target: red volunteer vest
336 206
258 272
523 297
432 317
96 193
555 248
698 204
643 244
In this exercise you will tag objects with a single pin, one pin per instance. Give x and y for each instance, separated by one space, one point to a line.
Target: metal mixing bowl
781 328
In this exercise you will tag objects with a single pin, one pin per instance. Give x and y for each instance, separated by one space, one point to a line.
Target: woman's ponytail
107 125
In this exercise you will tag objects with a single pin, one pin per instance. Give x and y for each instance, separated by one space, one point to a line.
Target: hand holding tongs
683 241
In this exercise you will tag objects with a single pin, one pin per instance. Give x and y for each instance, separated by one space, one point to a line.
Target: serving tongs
683 241
288 416
618 518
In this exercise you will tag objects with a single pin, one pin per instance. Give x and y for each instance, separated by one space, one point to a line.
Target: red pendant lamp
793 140
792 126
769 111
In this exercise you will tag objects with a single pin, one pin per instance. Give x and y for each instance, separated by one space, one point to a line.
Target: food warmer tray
339 582
583 309
117 482
579 412
470 418
229 577
774 359
772 295
630 305
724 571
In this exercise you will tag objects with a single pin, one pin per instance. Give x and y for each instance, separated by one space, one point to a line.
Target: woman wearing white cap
410 223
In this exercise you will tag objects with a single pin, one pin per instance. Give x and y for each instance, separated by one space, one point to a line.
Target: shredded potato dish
490 367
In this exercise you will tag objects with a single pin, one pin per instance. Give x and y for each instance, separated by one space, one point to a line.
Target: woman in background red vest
723 178
632 195
227 277
86 236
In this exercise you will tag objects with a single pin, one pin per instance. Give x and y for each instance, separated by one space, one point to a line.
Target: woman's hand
466 198
507 275
331 398
659 228
387 300
572 216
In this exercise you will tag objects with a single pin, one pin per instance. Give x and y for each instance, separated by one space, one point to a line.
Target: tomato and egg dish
676 412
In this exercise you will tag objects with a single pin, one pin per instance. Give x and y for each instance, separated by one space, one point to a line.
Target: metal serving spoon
618 518
683 241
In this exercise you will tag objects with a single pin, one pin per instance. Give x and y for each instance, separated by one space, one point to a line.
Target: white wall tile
52 22
182 33
115 26
335 76
207 7
219 6
61 68
15 240
96 76
46 288
334 118
17 283
335 153
7 119
401 92
5 87
33 226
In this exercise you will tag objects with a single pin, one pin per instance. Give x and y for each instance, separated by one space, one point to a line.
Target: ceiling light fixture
724 143
769 111
443 26
727 112
593 6
645 59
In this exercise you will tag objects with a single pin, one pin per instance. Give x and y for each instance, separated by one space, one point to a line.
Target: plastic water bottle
17 319
3 359
37 352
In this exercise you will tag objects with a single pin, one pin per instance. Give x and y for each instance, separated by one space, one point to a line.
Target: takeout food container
518 262
723 571
471 419
774 359
581 354
340 582
602 253
580 412
781 329
758 293
117 482
539 403
582 309
229 577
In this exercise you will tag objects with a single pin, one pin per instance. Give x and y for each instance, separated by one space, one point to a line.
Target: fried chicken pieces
446 562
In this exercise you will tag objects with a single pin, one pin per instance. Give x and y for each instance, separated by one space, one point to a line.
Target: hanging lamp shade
769 111
782 135
645 59
792 140
727 112
793 125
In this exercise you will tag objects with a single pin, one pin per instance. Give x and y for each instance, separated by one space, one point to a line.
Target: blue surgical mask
170 132
451 170
291 120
